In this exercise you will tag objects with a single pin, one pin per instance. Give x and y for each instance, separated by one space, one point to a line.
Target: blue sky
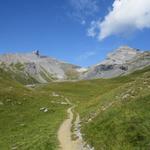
60 28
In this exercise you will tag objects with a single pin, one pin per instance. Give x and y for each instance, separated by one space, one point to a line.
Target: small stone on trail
22 125
90 120
55 94
125 96
63 103
44 109
14 148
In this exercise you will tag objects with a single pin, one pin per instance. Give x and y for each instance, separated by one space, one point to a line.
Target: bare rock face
121 55
122 61
36 52
41 68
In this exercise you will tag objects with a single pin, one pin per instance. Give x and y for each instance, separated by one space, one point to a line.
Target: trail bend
65 134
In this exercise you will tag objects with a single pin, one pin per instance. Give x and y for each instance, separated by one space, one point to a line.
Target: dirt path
64 134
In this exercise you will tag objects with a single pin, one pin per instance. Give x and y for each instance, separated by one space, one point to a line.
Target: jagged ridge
33 67
40 68
122 61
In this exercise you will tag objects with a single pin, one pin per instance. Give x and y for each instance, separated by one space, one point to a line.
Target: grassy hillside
115 113
16 72
22 125
122 116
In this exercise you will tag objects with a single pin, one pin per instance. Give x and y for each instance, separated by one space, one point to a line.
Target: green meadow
115 113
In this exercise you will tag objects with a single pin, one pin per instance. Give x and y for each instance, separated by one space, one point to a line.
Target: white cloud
81 9
125 17
92 32
86 55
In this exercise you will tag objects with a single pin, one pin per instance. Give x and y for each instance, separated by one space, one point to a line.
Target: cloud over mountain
125 16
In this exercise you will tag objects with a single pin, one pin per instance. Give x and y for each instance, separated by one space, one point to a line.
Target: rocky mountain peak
122 61
36 52
127 49
121 55
44 69
38 67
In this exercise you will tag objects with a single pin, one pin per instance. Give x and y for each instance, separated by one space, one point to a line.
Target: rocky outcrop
40 68
122 61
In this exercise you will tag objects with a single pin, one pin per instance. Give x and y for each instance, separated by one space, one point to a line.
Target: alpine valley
35 68
48 104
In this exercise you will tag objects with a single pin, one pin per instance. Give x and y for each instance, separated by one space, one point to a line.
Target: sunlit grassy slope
115 113
22 125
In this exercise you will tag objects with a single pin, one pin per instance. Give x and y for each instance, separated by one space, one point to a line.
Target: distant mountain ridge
32 67
122 61
40 68
121 55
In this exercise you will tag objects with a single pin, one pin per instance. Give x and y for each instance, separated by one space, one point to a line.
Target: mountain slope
33 68
114 112
29 118
122 61
120 119
39 68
